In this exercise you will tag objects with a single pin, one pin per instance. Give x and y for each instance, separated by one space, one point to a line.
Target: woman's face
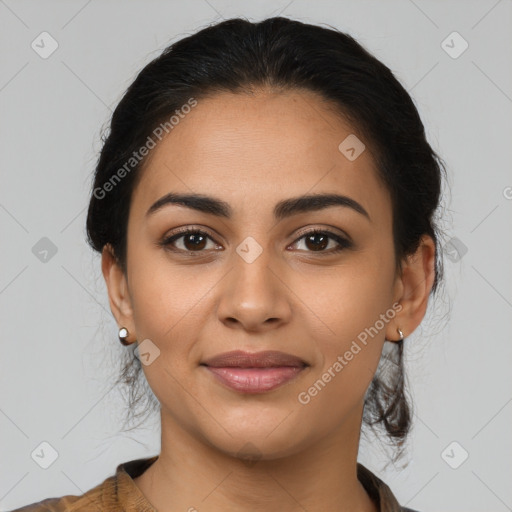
255 282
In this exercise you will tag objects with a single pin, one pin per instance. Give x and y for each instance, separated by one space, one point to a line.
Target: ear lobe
416 281
117 286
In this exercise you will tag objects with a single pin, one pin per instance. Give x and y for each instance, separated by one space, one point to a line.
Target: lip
257 372
265 359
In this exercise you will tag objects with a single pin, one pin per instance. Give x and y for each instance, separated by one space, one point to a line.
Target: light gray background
59 341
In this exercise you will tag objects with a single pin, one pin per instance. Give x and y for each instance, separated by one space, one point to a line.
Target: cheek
353 308
356 323
166 297
168 309
348 301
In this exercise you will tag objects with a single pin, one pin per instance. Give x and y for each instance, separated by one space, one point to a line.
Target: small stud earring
400 333
123 335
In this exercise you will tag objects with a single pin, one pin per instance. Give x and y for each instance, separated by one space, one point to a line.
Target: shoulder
61 504
95 497
51 505
117 492
379 491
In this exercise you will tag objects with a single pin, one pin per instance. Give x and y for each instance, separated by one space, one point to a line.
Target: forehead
253 150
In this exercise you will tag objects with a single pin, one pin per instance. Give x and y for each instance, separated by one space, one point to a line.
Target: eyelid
177 233
192 228
343 240
304 231
326 228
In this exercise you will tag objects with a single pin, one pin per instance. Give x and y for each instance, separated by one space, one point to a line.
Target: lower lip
255 380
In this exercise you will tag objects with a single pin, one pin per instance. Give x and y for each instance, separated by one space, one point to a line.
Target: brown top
119 493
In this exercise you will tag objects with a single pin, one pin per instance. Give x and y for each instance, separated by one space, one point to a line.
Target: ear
412 289
118 293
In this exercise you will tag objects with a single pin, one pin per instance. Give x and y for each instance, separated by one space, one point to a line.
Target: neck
190 474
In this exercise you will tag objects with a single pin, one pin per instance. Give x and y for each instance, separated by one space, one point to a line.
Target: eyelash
343 242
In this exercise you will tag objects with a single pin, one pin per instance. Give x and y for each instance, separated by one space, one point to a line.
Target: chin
253 445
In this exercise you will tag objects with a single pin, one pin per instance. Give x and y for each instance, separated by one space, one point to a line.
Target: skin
253 151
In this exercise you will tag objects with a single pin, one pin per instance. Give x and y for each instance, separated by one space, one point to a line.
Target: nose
254 295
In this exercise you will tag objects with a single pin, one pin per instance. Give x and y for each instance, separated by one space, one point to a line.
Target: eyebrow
283 209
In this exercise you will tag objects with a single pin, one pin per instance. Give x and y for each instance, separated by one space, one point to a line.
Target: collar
129 496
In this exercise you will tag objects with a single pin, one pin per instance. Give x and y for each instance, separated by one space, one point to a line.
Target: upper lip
265 359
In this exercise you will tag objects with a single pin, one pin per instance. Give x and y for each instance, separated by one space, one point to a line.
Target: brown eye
194 241
191 240
317 241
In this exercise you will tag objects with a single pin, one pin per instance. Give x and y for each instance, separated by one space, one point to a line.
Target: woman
264 206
